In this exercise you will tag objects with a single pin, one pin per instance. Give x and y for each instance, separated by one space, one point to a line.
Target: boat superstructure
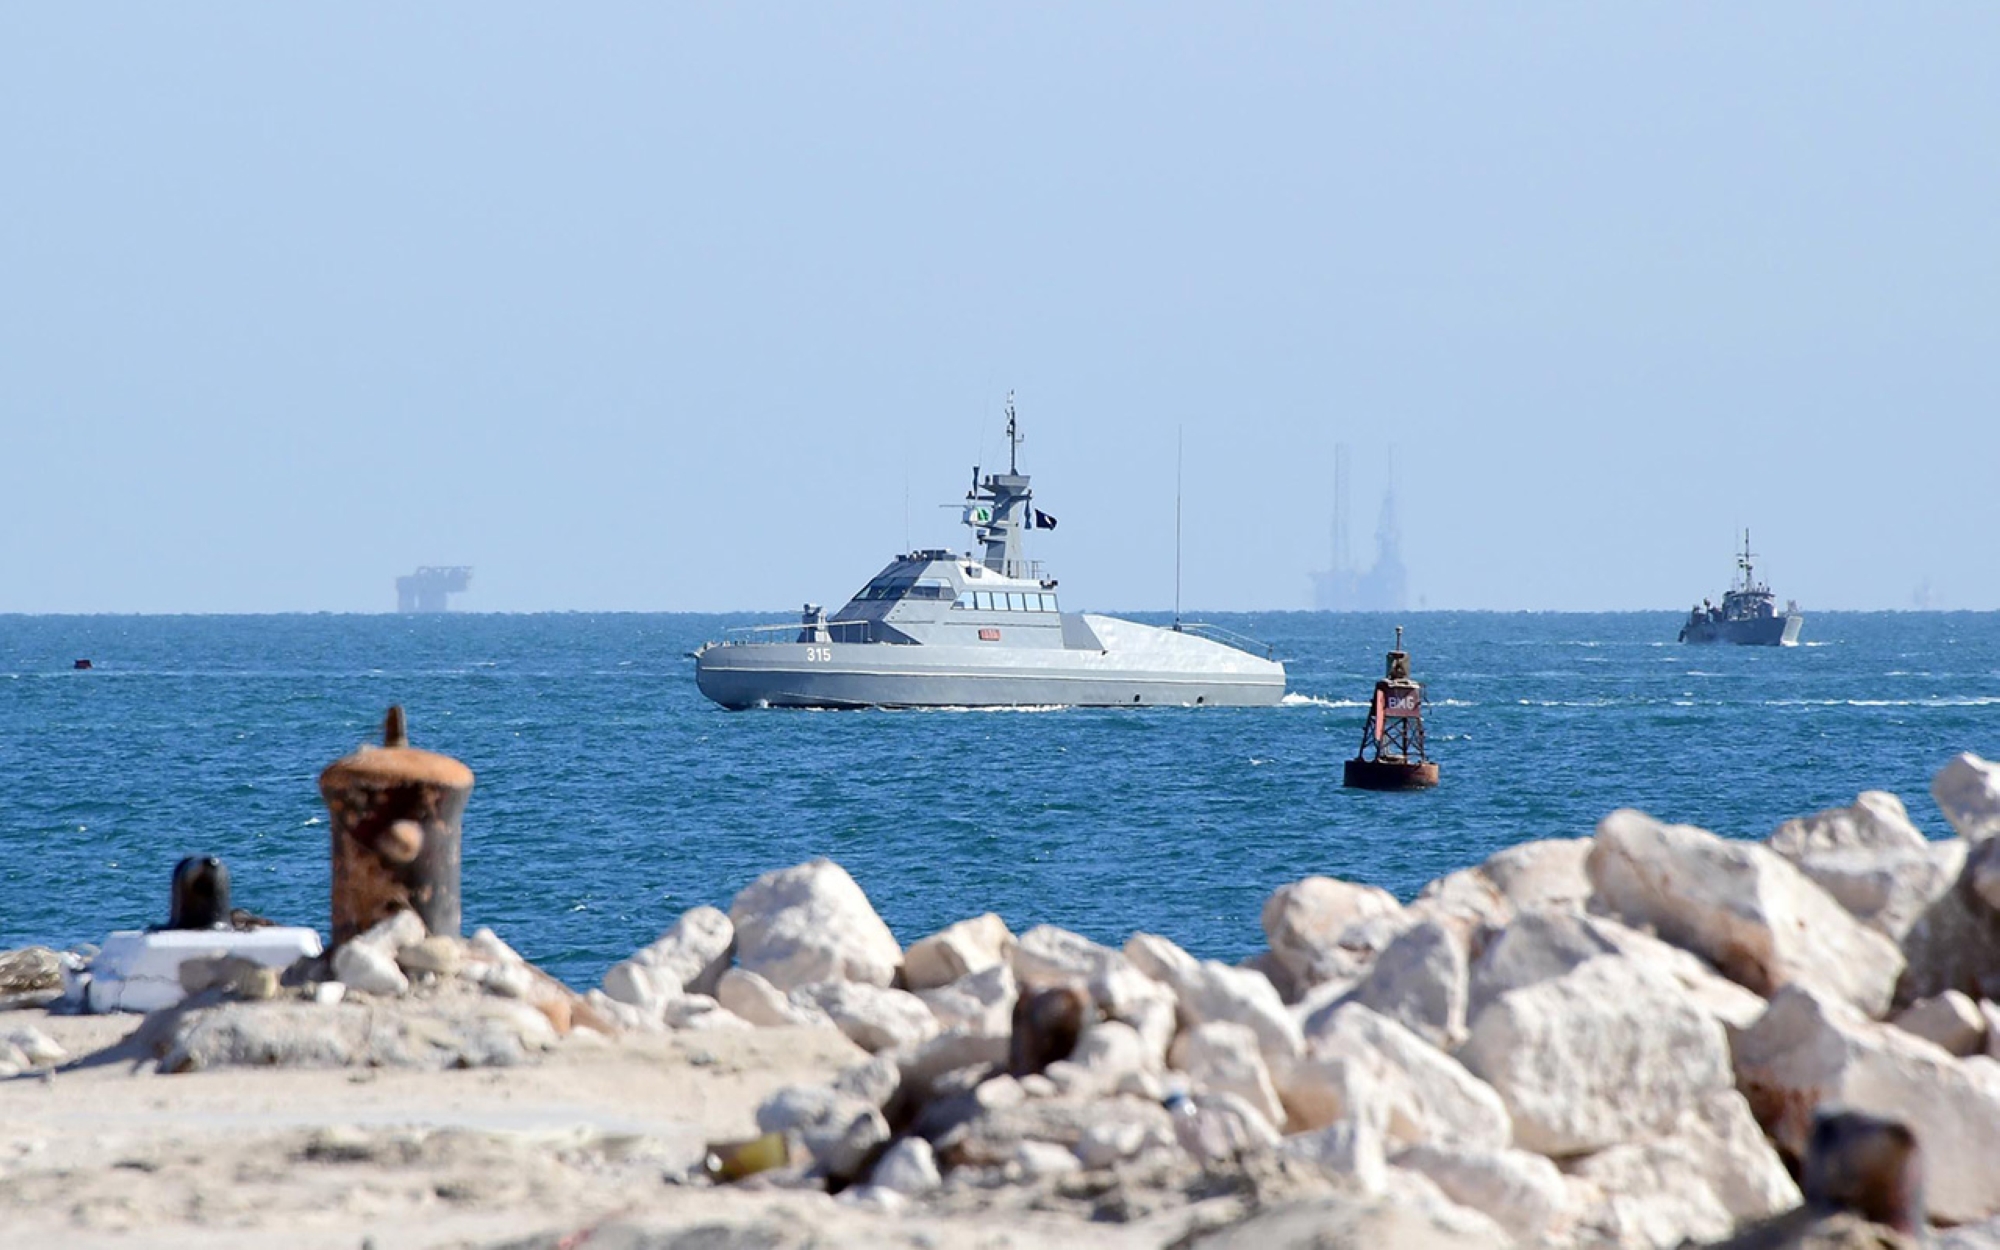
1748 614
983 628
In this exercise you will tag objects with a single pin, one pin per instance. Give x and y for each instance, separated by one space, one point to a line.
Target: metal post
395 813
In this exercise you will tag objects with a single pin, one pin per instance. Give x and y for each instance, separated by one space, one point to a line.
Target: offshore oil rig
426 589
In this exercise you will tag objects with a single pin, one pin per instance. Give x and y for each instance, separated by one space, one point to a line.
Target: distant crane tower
425 589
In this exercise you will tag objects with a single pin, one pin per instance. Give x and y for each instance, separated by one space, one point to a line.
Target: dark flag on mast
1043 521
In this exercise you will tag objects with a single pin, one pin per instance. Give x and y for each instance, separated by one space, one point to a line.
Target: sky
711 308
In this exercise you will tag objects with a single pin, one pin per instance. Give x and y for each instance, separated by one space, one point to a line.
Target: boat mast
1179 440
997 508
1014 439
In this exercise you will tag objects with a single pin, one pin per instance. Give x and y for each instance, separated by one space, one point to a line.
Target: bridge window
964 600
984 599
1016 601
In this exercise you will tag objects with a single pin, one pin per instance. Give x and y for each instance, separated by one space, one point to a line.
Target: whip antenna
1179 438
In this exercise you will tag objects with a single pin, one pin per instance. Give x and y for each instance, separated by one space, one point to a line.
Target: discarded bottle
732 1161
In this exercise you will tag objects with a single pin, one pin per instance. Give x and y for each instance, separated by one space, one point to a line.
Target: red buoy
1391 756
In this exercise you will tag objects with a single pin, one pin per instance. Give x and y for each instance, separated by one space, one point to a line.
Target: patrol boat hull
1767 631
1136 665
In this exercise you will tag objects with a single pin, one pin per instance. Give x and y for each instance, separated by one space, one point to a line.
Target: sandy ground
597 1133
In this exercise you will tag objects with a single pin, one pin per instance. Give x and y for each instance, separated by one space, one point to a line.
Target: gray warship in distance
1748 615
941 629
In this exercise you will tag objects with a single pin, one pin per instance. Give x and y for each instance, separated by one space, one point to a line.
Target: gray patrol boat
1748 614
942 629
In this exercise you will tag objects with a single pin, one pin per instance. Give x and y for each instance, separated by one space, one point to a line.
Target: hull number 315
819 653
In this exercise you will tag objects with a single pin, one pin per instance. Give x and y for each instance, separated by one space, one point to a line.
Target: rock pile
394 996
1646 1037
1620 1040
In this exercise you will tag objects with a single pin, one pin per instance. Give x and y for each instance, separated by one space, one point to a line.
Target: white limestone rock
694 1013
486 944
1740 905
1888 890
838 1130
1206 991
1461 903
394 931
1950 1021
647 987
1273 969
1540 945
957 951
874 1080
33 1047
1007 1118
623 1016
1600 1055
1047 955
1353 1147
1955 943
1984 1235
1323 929
1220 1056
924 1064
763 1004
1358 1055
1543 875
1967 790
1876 822
1522 1192
1420 980
695 952
438 955
979 1002
1697 1183
810 924
1810 1051
1982 865
1221 1127
908 1167
873 1016
1110 1051
508 980
1039 1160
370 968
1121 1141
367 961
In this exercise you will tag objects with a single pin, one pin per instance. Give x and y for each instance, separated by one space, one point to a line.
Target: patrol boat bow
981 629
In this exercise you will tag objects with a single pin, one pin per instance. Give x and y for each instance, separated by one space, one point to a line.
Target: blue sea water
611 796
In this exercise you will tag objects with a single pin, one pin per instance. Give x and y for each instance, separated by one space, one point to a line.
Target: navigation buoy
1392 756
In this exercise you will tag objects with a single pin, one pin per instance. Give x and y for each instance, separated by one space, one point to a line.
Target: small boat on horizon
1748 614
983 628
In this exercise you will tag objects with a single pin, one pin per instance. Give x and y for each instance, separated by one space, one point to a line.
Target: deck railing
1227 637
836 631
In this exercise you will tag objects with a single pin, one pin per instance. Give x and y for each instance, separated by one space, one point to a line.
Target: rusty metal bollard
395 813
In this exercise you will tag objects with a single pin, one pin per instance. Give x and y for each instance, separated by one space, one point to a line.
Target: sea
610 796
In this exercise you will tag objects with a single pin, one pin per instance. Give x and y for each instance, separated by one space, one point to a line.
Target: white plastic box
137 971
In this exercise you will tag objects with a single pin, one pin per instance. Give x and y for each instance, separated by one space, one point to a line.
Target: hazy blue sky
674 307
